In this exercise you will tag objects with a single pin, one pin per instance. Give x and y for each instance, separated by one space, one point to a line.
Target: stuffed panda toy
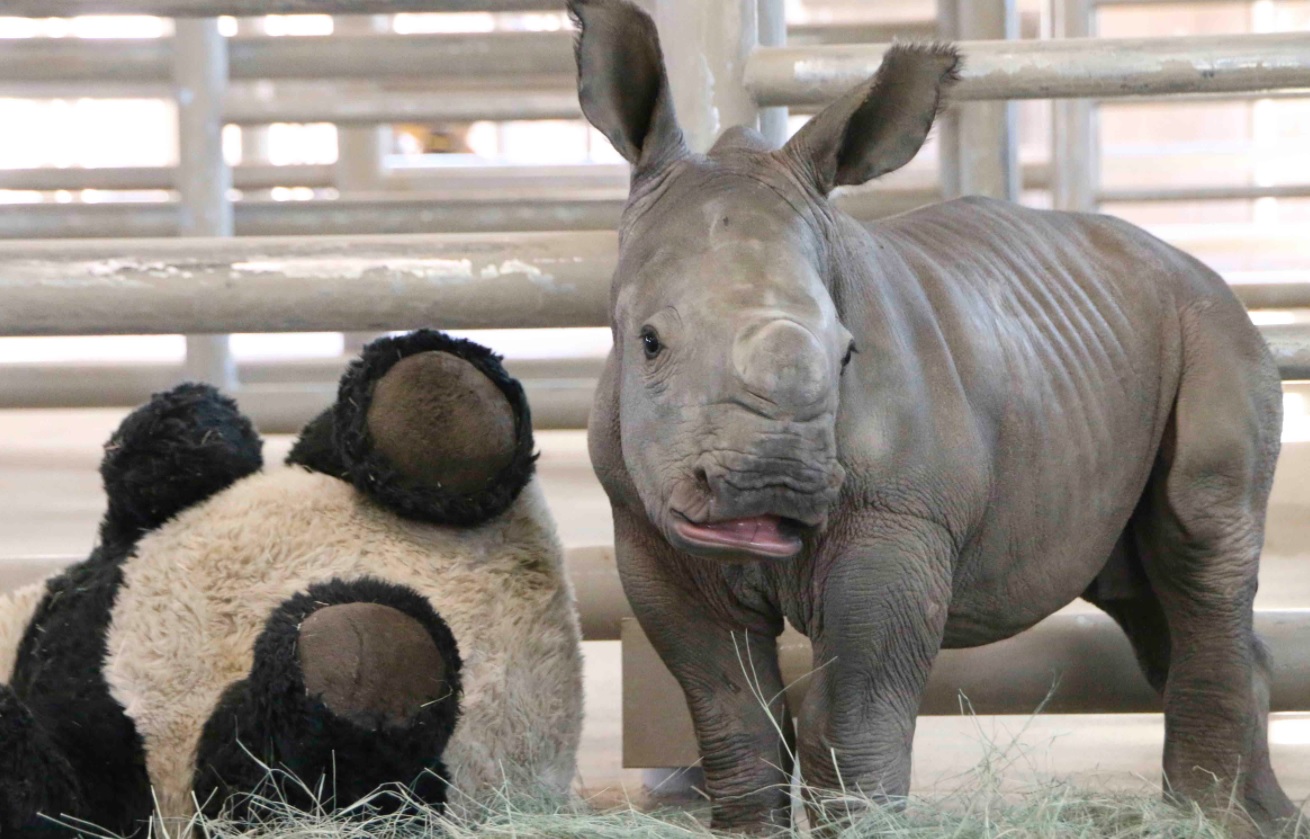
390 609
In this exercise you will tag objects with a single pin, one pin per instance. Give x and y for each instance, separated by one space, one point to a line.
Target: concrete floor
50 501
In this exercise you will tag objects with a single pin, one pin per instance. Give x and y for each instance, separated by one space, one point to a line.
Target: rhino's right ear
622 84
880 125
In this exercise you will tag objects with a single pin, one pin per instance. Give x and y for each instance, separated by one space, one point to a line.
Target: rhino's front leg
729 674
881 617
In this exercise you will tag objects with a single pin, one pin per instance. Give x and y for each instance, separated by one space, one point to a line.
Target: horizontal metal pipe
444 179
361 284
462 208
1230 96
813 34
600 181
135 220
418 214
127 178
878 32
398 214
1290 345
435 179
1273 295
1203 193
1063 68
1067 664
306 284
1145 3
251 8
446 56
319 104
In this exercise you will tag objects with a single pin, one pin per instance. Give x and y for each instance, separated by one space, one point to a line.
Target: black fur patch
267 720
178 449
35 779
78 724
74 750
373 475
316 447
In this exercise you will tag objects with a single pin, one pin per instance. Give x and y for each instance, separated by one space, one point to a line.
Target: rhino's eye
850 351
650 342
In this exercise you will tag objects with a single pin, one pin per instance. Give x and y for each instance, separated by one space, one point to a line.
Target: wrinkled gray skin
1040 406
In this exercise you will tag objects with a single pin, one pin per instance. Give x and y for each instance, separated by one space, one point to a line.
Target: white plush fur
199 589
16 610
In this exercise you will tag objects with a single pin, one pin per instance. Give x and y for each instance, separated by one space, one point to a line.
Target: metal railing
360 284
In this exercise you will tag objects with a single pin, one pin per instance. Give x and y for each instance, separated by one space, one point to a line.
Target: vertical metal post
948 123
200 79
706 45
988 146
361 149
254 138
1075 157
773 33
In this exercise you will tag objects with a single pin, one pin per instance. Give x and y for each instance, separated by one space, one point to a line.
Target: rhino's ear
622 85
880 125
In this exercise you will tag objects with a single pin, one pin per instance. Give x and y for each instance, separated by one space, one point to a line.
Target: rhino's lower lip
764 535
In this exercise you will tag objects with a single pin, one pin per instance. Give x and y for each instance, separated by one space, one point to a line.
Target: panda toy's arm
67 749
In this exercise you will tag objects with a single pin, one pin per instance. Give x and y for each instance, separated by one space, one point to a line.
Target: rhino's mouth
766 536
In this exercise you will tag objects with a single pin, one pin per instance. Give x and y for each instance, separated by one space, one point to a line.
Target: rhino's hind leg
1198 535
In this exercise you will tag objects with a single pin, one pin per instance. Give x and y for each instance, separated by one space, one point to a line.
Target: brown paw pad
370 663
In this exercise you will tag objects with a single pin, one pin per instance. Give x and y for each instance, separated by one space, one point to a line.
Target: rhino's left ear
880 125
622 84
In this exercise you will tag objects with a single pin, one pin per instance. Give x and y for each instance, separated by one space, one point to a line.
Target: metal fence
487 269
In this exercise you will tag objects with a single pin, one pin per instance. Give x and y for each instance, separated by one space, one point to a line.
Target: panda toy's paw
355 687
429 426
35 779
175 451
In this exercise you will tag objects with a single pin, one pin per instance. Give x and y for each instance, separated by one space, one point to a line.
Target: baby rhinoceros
932 431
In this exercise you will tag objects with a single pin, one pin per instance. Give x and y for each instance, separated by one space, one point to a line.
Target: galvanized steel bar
251 8
813 34
128 178
1290 345
306 284
948 122
438 214
1067 664
773 33
1066 68
320 103
1145 3
1203 193
1075 150
503 55
988 131
457 208
203 177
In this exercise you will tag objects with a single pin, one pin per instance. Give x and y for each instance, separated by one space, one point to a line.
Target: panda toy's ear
175 451
429 426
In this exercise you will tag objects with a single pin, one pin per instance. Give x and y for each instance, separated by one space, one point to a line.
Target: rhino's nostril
702 479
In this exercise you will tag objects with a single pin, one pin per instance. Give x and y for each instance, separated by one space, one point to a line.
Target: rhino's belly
1045 538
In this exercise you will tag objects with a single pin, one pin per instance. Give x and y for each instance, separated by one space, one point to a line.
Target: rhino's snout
802 493
784 364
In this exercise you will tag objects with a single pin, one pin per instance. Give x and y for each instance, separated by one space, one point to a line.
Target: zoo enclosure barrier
731 67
